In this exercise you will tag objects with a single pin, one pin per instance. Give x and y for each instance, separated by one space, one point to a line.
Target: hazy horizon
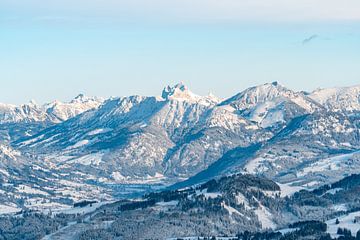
160 91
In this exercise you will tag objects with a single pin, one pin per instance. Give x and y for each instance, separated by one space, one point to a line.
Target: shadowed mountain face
299 139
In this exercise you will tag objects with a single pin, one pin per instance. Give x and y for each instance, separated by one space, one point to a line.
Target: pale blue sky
57 49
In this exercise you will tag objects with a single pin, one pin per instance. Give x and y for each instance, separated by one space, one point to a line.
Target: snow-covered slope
53 112
339 99
28 119
30 112
311 151
304 143
60 111
267 92
271 104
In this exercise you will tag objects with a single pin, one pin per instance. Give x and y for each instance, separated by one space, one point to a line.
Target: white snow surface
99 131
339 99
81 210
288 189
80 144
90 159
6 150
8 209
30 190
265 217
345 221
332 163
55 111
230 209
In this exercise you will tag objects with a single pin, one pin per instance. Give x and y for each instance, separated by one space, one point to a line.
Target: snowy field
346 221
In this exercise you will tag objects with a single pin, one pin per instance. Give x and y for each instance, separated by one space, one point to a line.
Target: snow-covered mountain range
55 111
28 119
96 146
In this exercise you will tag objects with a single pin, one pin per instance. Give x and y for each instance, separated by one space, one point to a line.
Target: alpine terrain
266 163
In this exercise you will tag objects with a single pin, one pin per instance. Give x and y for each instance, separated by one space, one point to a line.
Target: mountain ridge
267 130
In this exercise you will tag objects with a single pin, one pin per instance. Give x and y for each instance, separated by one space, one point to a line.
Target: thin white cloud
196 10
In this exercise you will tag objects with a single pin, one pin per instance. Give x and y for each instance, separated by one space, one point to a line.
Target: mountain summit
178 92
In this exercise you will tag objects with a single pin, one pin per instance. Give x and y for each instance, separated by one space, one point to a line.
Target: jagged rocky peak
32 102
80 97
275 83
30 107
29 112
179 91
